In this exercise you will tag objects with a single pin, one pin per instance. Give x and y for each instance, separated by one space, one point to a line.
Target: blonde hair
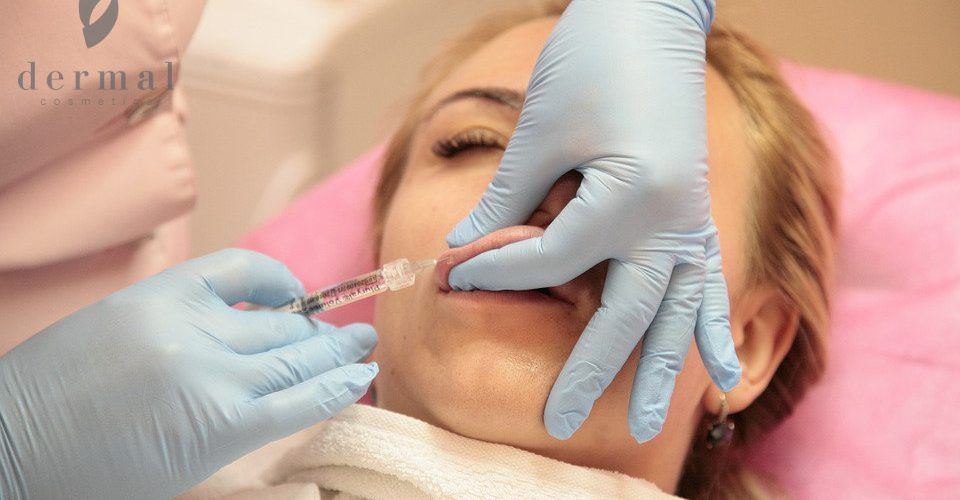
792 226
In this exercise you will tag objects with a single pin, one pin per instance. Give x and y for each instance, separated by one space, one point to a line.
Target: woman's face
482 363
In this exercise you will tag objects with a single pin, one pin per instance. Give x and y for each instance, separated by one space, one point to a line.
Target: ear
764 326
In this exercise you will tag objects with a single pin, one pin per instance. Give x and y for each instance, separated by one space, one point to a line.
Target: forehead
506 61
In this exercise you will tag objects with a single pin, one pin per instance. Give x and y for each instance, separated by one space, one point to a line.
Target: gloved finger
631 296
237 275
714 340
280 414
260 331
567 249
514 193
292 364
665 346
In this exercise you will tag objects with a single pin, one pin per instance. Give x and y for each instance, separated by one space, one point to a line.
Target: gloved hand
156 387
617 94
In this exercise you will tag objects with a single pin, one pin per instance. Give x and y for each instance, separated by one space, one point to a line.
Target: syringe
392 276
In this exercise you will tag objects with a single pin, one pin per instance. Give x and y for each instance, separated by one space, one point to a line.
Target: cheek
686 402
731 178
426 206
691 384
729 210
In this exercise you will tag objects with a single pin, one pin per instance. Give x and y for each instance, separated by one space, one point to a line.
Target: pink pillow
884 422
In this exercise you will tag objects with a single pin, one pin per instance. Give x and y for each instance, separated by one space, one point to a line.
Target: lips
582 292
577 292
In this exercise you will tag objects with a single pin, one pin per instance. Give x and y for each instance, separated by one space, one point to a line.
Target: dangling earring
720 433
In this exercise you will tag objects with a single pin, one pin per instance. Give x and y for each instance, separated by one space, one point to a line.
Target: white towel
366 452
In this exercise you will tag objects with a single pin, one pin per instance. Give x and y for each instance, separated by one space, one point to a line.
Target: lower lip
506 297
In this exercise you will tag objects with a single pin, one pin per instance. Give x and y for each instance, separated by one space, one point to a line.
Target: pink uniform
96 181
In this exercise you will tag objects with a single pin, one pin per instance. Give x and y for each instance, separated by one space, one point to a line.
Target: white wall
916 42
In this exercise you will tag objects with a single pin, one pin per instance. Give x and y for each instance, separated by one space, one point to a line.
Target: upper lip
571 292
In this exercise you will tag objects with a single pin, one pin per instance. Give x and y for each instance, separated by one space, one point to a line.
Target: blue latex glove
156 387
617 94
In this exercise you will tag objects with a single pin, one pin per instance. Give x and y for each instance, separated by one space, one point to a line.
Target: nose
564 190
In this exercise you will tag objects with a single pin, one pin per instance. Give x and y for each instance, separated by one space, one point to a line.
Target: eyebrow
497 95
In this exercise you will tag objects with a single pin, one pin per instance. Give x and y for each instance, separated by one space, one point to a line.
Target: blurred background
282 92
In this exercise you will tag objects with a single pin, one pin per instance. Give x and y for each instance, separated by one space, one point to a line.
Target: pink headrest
323 237
883 423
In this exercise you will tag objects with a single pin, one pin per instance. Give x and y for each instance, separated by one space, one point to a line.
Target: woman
481 364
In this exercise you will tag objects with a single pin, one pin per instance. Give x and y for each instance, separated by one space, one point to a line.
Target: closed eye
474 138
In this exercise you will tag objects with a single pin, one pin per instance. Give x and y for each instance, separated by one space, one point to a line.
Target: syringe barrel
392 276
341 294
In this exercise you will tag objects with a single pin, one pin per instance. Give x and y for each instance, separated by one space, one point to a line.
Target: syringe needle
420 265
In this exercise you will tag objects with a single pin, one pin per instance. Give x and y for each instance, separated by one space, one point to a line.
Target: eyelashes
475 138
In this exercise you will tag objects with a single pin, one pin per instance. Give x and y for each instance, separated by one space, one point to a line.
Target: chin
481 373
480 364
489 390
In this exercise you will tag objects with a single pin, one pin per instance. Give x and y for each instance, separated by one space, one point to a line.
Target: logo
82 87
95 31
